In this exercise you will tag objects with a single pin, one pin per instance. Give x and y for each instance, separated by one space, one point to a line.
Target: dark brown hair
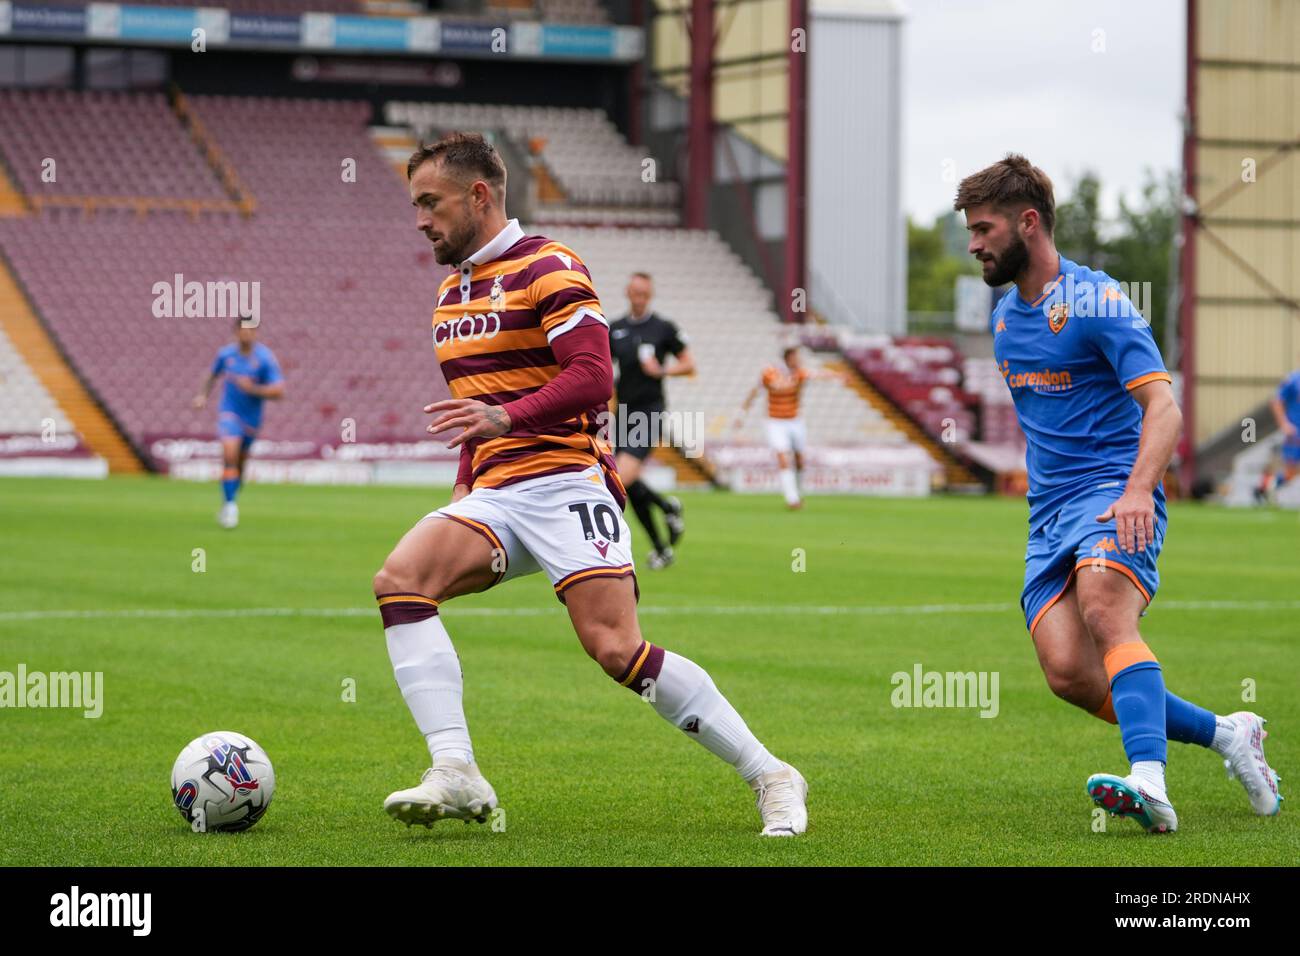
467 154
1010 182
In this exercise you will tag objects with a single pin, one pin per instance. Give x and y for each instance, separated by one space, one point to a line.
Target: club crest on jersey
497 295
1057 316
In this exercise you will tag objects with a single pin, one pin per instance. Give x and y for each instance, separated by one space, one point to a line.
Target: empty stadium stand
61 144
601 179
317 217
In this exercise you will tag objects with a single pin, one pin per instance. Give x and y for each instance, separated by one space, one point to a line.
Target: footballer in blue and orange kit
1286 411
252 375
1101 423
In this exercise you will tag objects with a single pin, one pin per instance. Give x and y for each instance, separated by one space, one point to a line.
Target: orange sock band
1106 711
1126 655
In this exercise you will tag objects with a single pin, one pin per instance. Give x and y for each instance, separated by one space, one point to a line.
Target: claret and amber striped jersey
493 326
783 387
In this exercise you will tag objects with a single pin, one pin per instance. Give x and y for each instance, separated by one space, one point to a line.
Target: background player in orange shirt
786 433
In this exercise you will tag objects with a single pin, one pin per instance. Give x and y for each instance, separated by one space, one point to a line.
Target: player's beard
1010 264
456 244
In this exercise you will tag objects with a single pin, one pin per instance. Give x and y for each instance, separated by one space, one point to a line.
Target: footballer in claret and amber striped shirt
524 347
783 388
495 320
786 432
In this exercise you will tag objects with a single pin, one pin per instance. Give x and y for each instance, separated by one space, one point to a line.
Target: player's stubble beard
456 244
1009 265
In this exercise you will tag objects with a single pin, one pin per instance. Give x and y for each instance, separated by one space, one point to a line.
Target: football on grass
222 781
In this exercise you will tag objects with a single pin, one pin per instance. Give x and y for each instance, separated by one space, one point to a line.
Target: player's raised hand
1134 515
479 419
198 401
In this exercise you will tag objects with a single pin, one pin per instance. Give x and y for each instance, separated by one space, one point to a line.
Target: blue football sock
1187 723
229 488
1138 695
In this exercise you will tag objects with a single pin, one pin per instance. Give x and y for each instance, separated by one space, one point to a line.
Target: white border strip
900 610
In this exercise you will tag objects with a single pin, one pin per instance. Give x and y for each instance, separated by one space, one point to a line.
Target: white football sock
428 673
685 696
1225 730
789 486
1151 773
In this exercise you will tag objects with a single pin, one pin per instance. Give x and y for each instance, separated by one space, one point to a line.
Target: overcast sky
984 77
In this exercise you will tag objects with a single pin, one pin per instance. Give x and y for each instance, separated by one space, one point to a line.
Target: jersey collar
497 245
1063 266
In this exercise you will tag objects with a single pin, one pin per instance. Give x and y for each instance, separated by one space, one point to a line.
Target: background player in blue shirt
1286 409
1098 412
252 375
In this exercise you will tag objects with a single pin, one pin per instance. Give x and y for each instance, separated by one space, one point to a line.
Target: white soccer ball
222 781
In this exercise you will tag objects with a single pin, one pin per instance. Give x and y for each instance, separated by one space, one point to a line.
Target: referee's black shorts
637 431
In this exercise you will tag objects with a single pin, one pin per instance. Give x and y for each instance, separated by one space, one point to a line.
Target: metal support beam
796 190
699 179
1187 265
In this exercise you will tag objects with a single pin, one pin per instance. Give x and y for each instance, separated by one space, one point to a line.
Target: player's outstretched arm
464 474
201 399
744 406
1162 424
827 375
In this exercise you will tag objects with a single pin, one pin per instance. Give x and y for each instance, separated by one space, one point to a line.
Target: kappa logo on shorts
1105 544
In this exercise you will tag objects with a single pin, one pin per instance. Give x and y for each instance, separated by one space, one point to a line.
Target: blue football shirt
259 365
1289 393
1071 359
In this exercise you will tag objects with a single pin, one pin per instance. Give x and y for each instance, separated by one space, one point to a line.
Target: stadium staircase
207 146
957 477
688 471
11 200
29 338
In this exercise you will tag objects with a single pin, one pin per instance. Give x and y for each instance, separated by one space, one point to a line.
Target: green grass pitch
586 773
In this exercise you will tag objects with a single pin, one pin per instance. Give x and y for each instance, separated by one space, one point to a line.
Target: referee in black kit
639 344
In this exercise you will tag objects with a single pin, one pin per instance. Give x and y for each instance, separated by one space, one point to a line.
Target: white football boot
449 789
1129 797
782 796
1244 760
228 516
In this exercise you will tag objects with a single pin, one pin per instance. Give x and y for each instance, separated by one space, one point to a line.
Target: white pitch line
712 609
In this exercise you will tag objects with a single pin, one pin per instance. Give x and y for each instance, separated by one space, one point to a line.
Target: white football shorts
787 434
567 525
